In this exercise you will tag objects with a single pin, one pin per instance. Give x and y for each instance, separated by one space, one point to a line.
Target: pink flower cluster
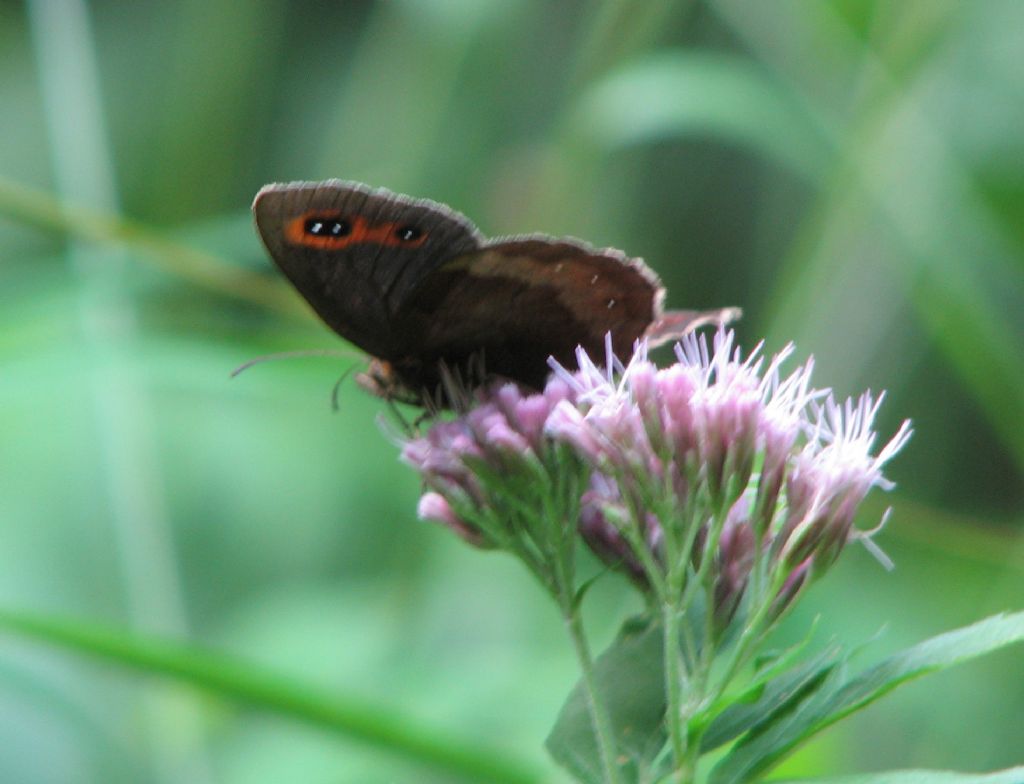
708 463
502 437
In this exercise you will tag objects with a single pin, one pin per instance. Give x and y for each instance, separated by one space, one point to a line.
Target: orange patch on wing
361 232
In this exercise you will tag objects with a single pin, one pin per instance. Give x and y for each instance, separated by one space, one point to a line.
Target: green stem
203 269
687 771
634 534
561 507
708 648
674 675
598 715
683 735
705 579
753 631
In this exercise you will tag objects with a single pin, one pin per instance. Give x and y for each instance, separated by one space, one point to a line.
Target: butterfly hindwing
522 300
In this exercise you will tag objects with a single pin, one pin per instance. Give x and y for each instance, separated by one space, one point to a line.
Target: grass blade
261 688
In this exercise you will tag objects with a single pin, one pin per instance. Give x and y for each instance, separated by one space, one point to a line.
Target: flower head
702 469
459 460
831 475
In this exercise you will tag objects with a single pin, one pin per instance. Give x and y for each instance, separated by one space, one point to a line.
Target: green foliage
779 711
926 777
631 680
849 173
836 694
260 688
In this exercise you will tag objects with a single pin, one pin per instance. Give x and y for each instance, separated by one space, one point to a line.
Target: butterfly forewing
356 277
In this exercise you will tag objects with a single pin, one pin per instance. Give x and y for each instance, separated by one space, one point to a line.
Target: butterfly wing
514 303
674 324
356 252
412 282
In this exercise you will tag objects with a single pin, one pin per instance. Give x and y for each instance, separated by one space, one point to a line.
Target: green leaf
838 696
678 94
777 696
631 682
1008 776
233 679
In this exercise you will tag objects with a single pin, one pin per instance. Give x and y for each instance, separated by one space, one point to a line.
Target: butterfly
414 284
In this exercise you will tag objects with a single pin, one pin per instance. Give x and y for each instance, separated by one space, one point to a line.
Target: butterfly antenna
336 389
425 416
397 427
411 429
307 352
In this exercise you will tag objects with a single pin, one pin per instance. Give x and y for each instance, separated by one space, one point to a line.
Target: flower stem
563 505
673 684
598 715
755 629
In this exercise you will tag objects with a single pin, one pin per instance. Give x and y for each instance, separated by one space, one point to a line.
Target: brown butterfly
415 285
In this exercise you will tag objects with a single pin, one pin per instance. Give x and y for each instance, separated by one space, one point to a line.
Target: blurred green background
851 173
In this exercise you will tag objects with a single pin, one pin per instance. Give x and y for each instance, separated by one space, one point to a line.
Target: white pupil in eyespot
408 233
326 227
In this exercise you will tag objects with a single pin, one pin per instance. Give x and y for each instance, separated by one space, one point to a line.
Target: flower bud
733 562
604 537
435 508
676 387
567 424
791 588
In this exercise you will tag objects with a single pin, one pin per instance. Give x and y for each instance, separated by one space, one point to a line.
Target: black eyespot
408 233
327 227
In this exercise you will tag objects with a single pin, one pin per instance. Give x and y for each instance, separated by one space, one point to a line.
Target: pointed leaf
778 695
838 696
632 685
